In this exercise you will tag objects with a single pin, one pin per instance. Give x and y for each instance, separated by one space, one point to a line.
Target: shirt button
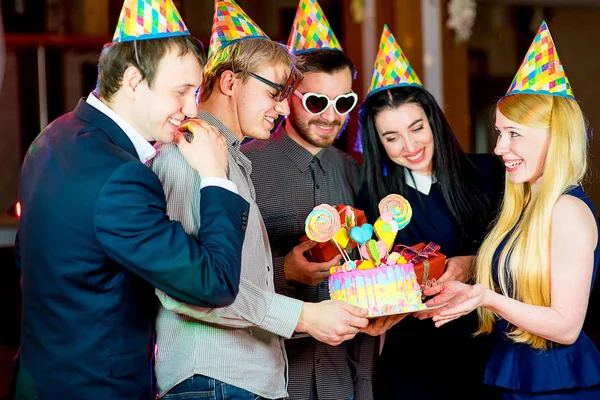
318 187
268 268
318 361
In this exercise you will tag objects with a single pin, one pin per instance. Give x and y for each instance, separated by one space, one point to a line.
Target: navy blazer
93 242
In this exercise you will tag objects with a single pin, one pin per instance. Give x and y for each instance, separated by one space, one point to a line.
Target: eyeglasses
316 103
283 92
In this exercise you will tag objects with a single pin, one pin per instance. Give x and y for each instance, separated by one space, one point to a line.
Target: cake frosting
386 289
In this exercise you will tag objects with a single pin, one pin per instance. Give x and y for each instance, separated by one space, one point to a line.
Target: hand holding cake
332 322
378 326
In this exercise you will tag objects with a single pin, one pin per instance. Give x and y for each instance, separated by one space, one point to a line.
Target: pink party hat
231 24
541 71
148 19
311 30
391 66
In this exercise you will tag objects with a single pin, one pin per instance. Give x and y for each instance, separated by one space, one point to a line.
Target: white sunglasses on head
316 103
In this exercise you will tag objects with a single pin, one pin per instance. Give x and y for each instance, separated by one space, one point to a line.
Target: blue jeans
200 387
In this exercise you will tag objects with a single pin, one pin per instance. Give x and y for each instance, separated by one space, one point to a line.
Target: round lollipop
398 206
322 223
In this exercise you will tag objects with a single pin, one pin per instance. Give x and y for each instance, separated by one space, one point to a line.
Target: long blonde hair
524 262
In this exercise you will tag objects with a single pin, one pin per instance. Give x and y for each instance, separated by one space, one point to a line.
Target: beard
303 130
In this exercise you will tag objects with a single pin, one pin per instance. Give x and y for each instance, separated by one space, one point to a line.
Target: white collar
423 182
143 148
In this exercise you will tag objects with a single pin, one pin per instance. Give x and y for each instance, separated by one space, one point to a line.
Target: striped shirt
242 344
290 182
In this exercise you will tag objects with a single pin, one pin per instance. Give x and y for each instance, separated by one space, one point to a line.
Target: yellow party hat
148 19
231 24
311 30
391 66
541 71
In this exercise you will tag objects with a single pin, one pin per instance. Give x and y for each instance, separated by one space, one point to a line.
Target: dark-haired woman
410 149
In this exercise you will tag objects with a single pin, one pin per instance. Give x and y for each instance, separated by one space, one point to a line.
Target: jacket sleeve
17 251
131 224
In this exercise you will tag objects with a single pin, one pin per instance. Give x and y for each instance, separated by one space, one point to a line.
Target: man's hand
297 268
206 152
378 326
332 321
458 268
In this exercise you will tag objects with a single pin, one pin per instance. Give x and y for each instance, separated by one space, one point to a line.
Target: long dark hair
452 168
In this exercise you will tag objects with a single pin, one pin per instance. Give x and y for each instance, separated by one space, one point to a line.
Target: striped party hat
231 24
391 66
148 19
311 30
541 71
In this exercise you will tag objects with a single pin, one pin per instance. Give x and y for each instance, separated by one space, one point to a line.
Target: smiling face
315 132
255 101
523 149
160 109
406 137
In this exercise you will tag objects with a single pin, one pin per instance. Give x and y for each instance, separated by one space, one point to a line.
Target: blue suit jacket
93 242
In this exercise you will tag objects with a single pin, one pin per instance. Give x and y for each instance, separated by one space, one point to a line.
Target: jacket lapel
94 117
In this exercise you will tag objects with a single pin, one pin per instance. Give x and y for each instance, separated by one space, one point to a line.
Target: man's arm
131 224
253 307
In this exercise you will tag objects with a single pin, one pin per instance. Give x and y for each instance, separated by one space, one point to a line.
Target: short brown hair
117 57
325 60
245 56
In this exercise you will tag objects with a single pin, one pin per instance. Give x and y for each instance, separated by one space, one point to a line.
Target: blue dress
562 371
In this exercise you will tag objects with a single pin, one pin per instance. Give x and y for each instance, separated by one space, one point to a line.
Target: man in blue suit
94 239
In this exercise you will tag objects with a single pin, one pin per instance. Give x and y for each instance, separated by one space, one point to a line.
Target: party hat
311 30
231 24
148 19
541 71
391 66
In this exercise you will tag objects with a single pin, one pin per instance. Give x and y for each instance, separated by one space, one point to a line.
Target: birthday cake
381 281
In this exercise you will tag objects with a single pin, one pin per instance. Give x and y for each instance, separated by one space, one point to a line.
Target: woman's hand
460 298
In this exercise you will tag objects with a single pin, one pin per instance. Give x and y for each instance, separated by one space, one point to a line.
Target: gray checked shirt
241 345
290 181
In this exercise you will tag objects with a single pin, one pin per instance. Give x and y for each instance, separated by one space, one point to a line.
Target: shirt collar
142 147
423 182
298 154
233 142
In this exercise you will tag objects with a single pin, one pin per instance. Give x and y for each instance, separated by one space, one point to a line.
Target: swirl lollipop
399 207
322 223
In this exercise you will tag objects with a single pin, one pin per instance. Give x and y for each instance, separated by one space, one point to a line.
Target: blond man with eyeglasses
238 352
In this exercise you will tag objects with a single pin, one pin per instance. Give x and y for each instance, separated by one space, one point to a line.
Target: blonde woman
535 269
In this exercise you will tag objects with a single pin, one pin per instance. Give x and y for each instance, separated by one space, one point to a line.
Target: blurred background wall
52 48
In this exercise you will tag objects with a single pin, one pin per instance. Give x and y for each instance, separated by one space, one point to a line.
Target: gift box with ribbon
428 261
325 251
